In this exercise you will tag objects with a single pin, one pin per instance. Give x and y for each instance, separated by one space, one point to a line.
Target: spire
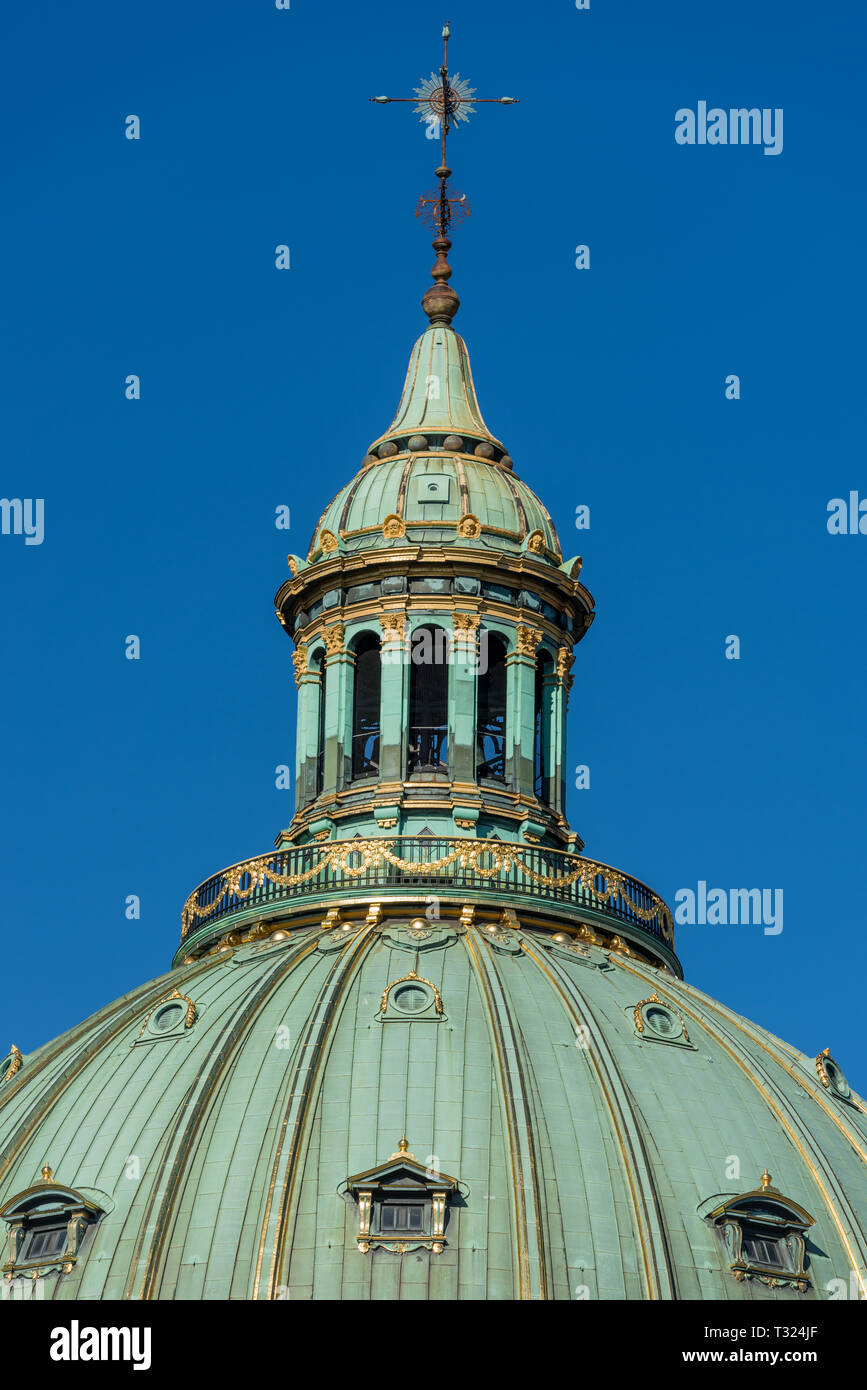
439 401
443 102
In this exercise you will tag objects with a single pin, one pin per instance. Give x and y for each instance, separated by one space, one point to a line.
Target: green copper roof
430 492
220 1151
438 394
439 471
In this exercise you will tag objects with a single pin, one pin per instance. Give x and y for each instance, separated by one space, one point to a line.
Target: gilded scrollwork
299 661
528 640
486 859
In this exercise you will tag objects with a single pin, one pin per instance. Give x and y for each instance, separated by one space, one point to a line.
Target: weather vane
443 103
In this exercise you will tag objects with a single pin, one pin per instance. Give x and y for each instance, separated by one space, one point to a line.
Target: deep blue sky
263 387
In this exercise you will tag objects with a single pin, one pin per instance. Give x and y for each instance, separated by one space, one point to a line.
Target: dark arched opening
491 724
318 664
427 746
366 707
542 726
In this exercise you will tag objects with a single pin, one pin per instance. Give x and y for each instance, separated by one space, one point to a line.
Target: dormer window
402 1205
46 1227
763 1235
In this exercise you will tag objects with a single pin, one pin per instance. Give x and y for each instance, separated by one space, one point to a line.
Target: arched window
428 702
318 664
491 725
542 725
365 707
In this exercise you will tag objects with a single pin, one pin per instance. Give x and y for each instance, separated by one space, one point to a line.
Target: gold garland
370 853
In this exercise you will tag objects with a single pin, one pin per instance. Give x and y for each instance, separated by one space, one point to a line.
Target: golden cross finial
443 102
47 1173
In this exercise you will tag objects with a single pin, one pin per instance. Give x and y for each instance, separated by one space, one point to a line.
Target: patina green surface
582 1157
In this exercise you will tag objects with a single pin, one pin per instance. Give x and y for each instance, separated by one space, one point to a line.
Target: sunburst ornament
455 101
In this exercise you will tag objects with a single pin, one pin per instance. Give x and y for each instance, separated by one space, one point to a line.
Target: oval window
411 998
169 1017
662 1022
836 1080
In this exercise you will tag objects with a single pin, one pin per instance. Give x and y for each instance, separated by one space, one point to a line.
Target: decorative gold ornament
15 1064
190 1016
392 625
333 638
469 527
655 999
565 662
820 1067
465 622
438 1005
636 1013
328 541
528 640
588 934
536 542
393 527
293 565
299 661
766 1180
47 1173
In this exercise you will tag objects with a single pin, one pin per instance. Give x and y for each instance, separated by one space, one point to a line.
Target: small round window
662 1021
167 1018
411 999
836 1080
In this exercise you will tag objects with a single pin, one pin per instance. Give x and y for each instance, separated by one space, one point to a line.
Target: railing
428 862
428 749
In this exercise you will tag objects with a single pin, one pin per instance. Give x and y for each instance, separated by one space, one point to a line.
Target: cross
447 101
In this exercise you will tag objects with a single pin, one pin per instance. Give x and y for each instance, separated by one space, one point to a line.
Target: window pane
401 1216
760 1250
428 733
43 1242
365 709
491 729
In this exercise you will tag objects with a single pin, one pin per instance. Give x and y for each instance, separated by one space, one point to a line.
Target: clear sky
262 387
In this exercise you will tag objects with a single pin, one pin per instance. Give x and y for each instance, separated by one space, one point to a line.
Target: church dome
578 1123
424 1049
